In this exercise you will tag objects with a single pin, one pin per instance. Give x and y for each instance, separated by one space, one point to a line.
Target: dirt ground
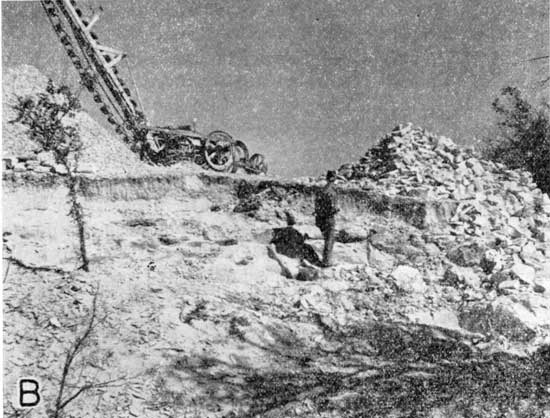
195 319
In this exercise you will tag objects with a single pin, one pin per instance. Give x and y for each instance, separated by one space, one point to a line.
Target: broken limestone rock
542 279
461 277
408 279
491 261
442 318
43 169
315 301
32 164
523 272
508 286
487 198
19 167
466 255
61 169
46 158
309 231
431 249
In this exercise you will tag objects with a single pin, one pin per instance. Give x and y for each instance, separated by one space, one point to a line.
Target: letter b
28 393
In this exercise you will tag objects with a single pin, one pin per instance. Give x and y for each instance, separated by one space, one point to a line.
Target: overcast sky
309 83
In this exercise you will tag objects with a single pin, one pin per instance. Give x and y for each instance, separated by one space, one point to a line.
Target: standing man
326 208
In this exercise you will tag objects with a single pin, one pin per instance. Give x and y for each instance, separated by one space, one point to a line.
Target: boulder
530 254
43 169
61 169
491 261
475 166
315 301
543 202
46 158
31 164
408 279
507 286
540 288
19 167
542 279
442 318
461 276
524 273
541 234
264 236
309 231
466 255
445 143
192 183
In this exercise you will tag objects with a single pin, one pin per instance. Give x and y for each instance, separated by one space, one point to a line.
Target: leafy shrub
523 136
48 118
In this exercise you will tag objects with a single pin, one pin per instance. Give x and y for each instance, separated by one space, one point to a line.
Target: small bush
48 118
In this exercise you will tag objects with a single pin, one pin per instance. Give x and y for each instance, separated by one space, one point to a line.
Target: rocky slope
501 212
209 304
103 152
205 317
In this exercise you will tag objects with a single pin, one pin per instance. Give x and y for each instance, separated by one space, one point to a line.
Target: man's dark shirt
326 204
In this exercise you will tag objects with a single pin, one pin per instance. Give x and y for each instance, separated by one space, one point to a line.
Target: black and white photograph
275 208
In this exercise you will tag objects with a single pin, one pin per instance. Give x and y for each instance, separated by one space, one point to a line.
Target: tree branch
22 264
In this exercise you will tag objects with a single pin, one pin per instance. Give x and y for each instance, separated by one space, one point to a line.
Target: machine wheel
219 151
241 155
258 164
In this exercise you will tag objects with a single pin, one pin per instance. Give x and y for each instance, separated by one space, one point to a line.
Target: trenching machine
163 145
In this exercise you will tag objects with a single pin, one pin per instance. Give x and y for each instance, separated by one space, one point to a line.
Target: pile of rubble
102 152
412 162
497 218
41 162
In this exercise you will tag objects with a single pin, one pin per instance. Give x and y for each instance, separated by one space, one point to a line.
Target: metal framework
97 66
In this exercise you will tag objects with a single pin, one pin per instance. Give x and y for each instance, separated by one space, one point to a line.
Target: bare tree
47 119
63 399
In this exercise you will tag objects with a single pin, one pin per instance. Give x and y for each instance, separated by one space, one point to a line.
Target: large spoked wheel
241 155
219 151
258 164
